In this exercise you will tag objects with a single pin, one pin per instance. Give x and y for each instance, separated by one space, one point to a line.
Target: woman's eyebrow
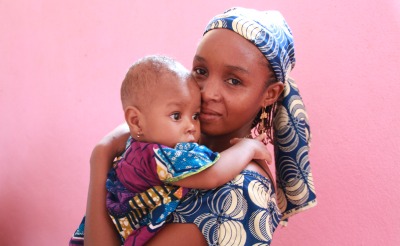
199 58
237 69
230 67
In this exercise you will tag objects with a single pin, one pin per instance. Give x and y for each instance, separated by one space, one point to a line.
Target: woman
241 83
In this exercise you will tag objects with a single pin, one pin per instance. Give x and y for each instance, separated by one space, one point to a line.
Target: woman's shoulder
254 167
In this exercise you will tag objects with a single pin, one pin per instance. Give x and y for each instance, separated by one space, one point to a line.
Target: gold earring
262 124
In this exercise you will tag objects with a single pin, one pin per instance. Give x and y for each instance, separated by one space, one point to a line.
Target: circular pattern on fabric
233 213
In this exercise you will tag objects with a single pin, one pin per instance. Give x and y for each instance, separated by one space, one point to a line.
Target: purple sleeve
137 170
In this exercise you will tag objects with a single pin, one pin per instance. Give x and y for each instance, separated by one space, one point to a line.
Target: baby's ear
132 117
272 93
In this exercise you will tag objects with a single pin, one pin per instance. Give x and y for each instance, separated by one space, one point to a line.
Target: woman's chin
211 129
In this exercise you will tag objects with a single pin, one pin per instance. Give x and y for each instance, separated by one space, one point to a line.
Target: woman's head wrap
269 32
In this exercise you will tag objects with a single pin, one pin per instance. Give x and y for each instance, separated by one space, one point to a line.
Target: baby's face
172 116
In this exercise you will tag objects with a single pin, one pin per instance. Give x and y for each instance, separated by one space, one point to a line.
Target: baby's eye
234 81
175 116
196 116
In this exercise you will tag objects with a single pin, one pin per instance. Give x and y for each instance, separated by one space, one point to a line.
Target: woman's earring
262 125
139 134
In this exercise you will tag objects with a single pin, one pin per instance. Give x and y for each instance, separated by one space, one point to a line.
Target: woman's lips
209 115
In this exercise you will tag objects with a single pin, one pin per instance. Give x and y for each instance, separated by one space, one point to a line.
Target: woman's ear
272 93
132 117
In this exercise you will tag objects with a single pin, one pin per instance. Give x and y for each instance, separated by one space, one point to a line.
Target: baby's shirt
138 190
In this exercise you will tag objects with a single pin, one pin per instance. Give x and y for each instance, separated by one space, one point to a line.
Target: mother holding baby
242 66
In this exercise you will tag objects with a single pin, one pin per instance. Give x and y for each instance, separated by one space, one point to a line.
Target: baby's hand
256 146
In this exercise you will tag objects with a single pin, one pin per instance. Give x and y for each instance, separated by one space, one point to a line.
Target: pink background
61 65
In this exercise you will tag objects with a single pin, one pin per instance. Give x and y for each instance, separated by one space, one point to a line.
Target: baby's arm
231 162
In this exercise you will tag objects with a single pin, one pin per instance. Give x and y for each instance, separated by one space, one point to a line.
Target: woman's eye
199 71
196 116
233 81
176 116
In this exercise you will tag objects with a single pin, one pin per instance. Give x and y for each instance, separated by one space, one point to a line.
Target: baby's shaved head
144 75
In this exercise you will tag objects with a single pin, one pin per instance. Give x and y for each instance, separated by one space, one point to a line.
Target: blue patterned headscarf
269 32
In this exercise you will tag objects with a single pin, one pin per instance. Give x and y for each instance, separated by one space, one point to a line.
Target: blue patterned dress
242 212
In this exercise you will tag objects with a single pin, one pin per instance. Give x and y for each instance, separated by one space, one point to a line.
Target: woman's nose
210 89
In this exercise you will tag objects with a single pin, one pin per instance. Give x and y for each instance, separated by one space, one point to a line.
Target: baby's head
161 102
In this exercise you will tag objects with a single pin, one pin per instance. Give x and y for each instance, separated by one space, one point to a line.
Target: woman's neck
221 142
215 143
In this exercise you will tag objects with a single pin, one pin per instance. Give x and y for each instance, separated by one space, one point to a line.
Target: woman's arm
99 229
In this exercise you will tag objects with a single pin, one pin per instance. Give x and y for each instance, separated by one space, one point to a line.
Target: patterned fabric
183 161
139 198
242 212
77 238
295 189
137 194
269 32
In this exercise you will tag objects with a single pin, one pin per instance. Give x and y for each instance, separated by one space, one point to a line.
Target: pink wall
60 70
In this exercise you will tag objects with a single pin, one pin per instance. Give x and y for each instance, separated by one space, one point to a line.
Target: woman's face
232 74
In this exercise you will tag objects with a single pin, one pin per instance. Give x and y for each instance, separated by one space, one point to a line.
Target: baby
162 160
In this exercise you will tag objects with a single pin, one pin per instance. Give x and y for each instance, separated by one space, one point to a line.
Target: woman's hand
99 229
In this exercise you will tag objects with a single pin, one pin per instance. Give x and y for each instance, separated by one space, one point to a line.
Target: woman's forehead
227 47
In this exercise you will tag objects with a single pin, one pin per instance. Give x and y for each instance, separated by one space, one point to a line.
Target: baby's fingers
262 152
261 137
